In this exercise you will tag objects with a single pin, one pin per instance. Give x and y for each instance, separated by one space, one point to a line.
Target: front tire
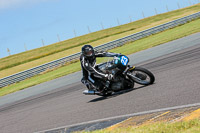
141 76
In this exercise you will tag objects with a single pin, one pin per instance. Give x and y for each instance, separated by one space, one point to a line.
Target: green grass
192 126
159 38
43 77
22 61
129 48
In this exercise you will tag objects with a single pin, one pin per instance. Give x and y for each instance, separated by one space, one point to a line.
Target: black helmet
88 51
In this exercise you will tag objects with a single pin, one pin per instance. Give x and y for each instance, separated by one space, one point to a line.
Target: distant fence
119 42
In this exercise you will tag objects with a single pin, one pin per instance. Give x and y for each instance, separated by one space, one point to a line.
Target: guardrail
116 43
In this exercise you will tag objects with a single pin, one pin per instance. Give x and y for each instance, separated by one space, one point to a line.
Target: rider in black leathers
91 76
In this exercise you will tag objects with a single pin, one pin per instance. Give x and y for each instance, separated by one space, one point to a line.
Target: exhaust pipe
90 92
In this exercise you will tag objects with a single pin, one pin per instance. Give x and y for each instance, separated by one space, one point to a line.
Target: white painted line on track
121 116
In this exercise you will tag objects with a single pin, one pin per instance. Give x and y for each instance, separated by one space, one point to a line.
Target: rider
91 76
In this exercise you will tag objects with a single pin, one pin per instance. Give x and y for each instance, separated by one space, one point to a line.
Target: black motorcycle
124 76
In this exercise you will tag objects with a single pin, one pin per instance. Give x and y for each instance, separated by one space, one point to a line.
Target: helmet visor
89 53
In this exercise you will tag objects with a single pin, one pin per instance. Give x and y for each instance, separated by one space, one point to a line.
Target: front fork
128 72
128 68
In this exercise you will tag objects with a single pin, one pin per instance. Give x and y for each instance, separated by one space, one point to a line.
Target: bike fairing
124 60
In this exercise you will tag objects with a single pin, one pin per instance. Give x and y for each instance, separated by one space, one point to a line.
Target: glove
118 55
109 76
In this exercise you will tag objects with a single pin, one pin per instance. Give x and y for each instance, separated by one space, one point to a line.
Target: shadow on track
115 94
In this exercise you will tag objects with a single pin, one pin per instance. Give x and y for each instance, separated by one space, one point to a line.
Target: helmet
88 51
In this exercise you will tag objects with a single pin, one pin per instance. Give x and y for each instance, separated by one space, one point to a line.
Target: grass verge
192 126
129 48
22 61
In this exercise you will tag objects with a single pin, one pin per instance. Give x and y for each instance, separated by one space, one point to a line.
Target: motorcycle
125 76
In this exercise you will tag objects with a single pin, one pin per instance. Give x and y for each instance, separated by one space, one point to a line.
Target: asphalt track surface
177 83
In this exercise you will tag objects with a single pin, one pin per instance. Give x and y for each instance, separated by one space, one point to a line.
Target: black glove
118 55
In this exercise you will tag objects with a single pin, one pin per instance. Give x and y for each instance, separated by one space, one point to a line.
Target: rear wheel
141 76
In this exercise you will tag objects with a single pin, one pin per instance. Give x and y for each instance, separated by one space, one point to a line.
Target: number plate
124 60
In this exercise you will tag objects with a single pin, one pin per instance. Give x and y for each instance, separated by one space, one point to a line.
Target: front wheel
141 76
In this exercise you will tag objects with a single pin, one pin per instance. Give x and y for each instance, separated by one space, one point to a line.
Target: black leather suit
90 74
